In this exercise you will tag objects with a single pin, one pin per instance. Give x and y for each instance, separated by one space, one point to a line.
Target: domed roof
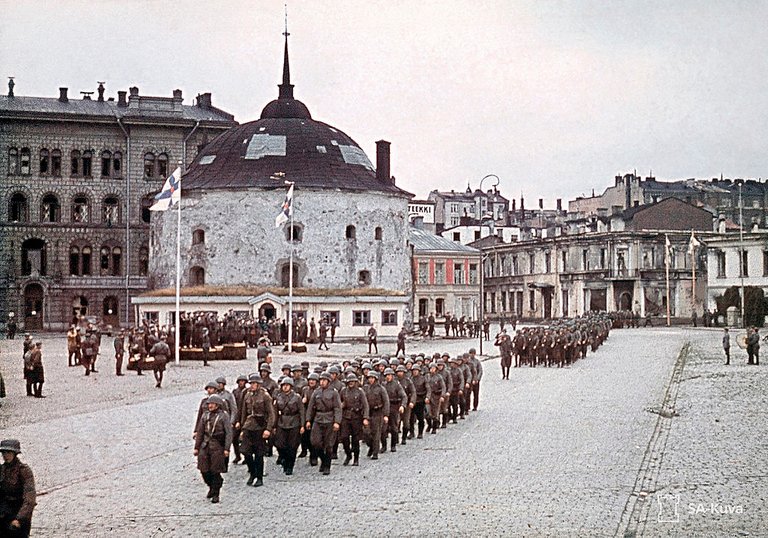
285 139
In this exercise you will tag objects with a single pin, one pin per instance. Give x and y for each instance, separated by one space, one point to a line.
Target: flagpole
290 276
693 275
177 336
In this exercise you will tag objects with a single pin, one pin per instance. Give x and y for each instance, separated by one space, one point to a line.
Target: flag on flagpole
286 210
667 250
170 194
693 243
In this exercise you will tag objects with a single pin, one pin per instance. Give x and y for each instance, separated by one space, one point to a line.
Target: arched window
364 278
104 260
378 234
149 165
146 203
162 165
56 163
79 260
26 162
74 159
13 162
74 260
117 259
106 163
351 232
198 237
17 208
110 211
143 261
285 273
45 162
294 233
50 210
86 260
87 163
80 211
197 276
33 259
80 306
117 164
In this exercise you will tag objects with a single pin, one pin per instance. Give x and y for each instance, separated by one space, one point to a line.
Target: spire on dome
286 88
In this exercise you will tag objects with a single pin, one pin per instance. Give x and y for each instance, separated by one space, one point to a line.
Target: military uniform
323 413
257 418
354 412
397 399
378 404
436 395
290 421
408 404
17 493
419 382
212 441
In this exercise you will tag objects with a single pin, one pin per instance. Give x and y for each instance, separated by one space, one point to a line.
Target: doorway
33 307
267 310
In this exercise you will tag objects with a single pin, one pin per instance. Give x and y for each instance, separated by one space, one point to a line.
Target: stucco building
77 177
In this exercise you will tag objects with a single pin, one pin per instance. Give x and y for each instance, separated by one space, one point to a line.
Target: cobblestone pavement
552 452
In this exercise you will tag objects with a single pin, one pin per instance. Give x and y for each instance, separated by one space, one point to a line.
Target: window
389 317
454 208
285 275
515 266
17 208
146 203
197 276
364 278
26 162
74 159
477 235
744 269
454 221
198 237
532 300
473 273
104 260
439 307
351 232
87 163
74 260
547 262
151 317
162 165
111 211
117 258
45 161
564 256
585 259
457 237
149 165
56 163
117 164
33 258
332 316
79 260
603 256
294 233
143 261
110 306
361 317
80 209
50 210
503 301
106 163
458 273
378 233
439 273
765 263
423 275
13 162
86 261
531 263
721 264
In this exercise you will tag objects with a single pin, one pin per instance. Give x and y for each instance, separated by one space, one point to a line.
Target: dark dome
285 139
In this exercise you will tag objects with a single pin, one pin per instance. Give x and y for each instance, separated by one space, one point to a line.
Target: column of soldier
559 344
382 404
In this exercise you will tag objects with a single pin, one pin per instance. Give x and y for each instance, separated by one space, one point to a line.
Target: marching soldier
378 404
290 424
119 344
435 397
409 403
478 374
420 389
306 395
17 491
397 402
212 440
457 389
324 420
239 393
257 420
448 381
160 351
354 417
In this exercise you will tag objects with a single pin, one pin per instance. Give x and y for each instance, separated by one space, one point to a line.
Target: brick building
77 177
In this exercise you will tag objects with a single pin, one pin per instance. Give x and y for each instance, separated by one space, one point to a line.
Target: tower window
117 164
74 160
198 237
294 233
351 232
87 164
378 234
197 276
364 278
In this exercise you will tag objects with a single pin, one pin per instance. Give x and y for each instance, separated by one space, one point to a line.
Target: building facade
78 177
451 206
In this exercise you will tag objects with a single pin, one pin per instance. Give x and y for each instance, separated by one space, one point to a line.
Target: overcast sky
555 98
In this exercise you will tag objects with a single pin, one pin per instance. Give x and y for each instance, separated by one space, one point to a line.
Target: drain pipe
127 216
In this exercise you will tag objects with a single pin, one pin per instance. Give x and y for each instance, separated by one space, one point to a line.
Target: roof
249 291
140 107
423 241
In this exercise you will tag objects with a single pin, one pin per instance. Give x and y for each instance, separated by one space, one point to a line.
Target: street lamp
496 184
482 261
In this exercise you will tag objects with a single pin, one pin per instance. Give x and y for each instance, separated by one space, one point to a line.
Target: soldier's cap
410 360
221 380
416 367
401 368
285 366
393 362
445 355
373 374
296 368
305 364
10 445
286 381
323 365
384 357
440 362
420 355
465 356
314 376
367 366
242 378
349 370
334 370
318 370
215 399
255 378
326 375
27 334
265 368
351 377
472 351
382 362
389 371
433 365
212 385
38 343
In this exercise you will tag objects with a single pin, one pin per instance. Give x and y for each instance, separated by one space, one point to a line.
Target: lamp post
496 184
482 260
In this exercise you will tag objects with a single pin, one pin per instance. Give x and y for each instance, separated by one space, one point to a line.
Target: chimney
11 84
121 98
177 94
134 91
101 91
514 204
559 204
63 95
418 222
204 100
541 203
382 161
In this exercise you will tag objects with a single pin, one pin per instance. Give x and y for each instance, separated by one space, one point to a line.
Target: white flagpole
177 336
693 275
667 255
290 276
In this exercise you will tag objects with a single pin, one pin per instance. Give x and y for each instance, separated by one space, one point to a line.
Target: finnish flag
170 194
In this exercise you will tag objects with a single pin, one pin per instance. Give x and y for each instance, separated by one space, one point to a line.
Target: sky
555 98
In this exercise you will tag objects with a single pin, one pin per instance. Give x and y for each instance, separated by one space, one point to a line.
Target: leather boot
356 461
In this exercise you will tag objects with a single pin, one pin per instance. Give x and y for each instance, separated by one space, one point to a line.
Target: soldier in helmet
448 380
160 351
398 399
457 389
409 403
239 394
298 379
378 406
324 420
17 491
420 388
290 424
212 440
354 418
306 394
268 384
257 420
436 395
